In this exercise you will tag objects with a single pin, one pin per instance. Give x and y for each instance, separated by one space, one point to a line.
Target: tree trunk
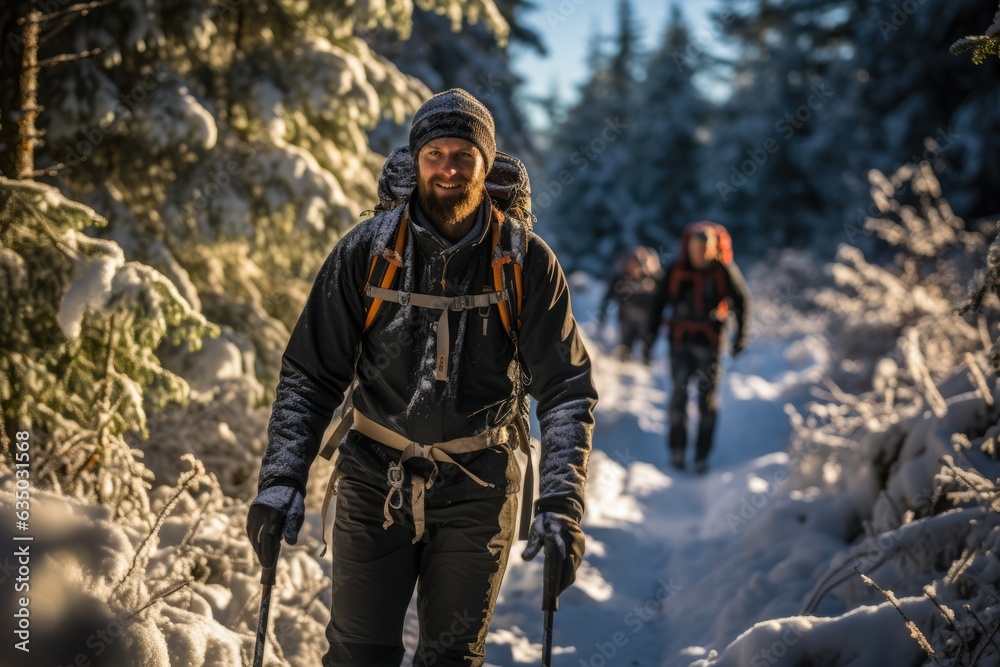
18 89
25 154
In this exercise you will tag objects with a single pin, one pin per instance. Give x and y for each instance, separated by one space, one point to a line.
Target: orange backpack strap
498 262
394 261
513 260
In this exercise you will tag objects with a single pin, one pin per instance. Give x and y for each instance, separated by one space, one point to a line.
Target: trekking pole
267 579
550 605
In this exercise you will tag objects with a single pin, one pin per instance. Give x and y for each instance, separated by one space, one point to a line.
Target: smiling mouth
445 186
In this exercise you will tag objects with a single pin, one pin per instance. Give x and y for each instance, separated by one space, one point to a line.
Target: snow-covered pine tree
472 59
77 369
665 144
840 88
766 168
585 197
225 142
933 107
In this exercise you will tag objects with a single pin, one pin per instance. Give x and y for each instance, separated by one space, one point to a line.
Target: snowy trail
658 568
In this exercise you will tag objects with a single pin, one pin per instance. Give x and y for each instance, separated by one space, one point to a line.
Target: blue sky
567 25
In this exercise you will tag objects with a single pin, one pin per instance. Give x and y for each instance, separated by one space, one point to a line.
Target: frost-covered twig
914 630
947 527
159 596
980 486
978 379
916 364
947 614
182 484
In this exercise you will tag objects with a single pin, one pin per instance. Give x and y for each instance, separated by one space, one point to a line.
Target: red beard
451 209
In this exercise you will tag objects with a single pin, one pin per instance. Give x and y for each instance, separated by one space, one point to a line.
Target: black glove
738 346
275 511
563 539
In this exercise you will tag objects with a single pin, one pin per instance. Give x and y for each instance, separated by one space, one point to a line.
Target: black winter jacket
396 366
697 295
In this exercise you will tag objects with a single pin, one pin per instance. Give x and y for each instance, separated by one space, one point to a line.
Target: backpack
507 184
722 234
681 273
644 256
508 187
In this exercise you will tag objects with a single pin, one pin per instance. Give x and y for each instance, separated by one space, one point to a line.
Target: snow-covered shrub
914 448
180 589
871 305
222 427
76 361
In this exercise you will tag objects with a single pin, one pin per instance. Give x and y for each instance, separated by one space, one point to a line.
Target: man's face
451 179
701 251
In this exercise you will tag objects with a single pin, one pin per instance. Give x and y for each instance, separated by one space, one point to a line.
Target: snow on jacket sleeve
317 365
560 380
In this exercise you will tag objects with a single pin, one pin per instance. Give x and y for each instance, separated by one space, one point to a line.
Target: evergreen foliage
982 46
816 95
79 329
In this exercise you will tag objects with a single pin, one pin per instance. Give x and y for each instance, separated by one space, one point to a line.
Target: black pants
700 363
633 329
458 567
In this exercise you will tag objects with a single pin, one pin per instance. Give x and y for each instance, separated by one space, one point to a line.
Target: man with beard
427 479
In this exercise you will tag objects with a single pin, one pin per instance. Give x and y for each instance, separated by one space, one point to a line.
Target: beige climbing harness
435 453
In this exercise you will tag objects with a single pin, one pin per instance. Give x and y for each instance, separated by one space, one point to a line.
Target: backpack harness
680 330
391 259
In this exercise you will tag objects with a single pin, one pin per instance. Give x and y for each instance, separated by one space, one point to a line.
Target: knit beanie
454 113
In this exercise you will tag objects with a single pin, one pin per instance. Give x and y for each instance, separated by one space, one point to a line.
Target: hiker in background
704 290
442 308
633 285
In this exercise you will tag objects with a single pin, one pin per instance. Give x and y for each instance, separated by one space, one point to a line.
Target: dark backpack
508 187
